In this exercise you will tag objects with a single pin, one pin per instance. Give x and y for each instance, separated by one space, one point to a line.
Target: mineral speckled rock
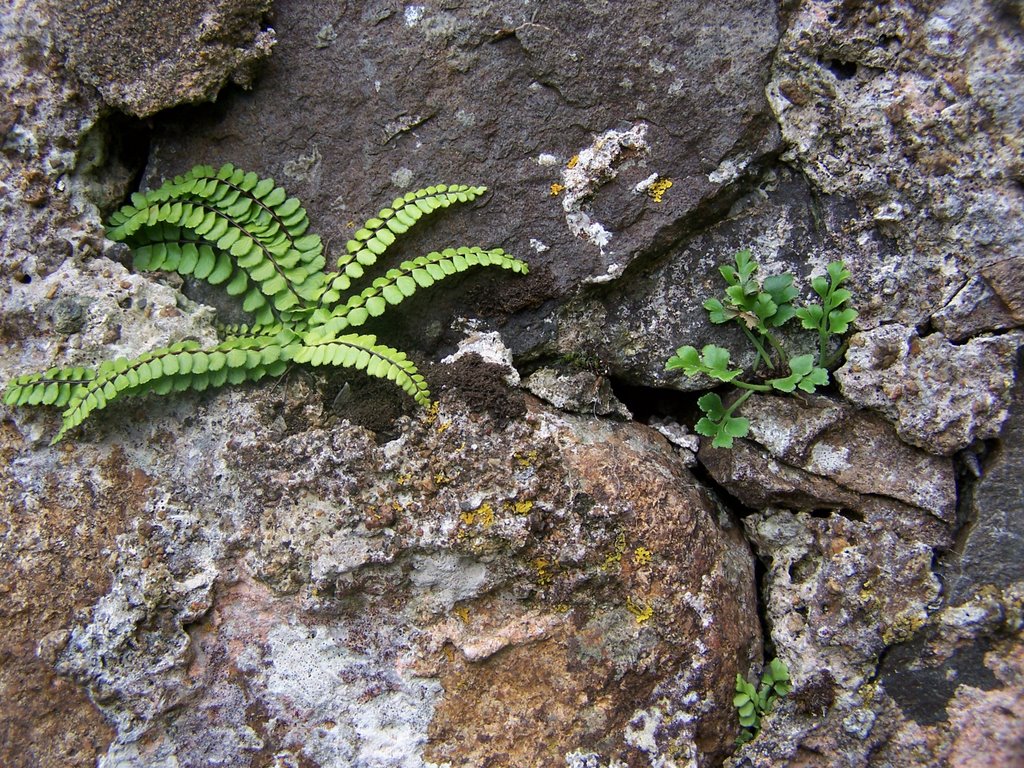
912 110
993 537
461 593
852 518
250 576
941 396
592 97
144 57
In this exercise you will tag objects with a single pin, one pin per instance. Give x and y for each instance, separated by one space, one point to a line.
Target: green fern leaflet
236 230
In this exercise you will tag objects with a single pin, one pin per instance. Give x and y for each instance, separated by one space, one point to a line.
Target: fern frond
181 366
53 387
379 232
402 282
253 236
243 233
363 353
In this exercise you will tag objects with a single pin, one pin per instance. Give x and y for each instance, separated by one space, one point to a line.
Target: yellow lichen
526 459
523 507
482 516
463 613
518 507
641 609
430 415
615 558
443 427
556 189
440 478
658 189
542 568
572 161
642 556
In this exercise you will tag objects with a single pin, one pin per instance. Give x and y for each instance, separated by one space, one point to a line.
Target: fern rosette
233 229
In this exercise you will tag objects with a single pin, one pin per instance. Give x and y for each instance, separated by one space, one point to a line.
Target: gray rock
144 57
941 396
818 453
510 95
581 392
988 551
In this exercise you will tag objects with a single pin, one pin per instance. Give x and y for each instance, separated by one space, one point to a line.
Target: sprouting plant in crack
760 308
753 703
236 230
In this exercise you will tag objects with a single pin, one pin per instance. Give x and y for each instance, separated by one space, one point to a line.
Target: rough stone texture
579 392
143 57
950 697
249 578
941 396
505 94
989 547
852 517
914 110
319 595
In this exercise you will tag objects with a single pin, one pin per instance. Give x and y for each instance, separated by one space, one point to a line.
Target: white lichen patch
590 169
368 710
538 245
402 177
444 578
729 170
413 14
828 459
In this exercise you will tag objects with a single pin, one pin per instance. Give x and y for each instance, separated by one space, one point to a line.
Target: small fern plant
243 233
760 308
754 703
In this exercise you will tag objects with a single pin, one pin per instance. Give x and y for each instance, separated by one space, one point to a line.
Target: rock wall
312 572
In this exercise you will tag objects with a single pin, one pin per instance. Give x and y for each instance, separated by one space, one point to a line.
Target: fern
233 229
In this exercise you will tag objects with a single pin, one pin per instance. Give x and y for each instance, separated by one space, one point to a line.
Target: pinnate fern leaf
235 230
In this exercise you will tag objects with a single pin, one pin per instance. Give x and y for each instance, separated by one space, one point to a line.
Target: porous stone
144 57
452 584
941 396
851 518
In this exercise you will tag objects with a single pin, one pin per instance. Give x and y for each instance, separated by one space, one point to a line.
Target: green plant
760 309
753 703
236 230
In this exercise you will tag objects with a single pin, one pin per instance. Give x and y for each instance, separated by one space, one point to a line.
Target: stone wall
312 571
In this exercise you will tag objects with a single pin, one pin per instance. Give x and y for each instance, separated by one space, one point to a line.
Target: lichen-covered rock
949 697
144 57
460 593
912 110
852 518
941 396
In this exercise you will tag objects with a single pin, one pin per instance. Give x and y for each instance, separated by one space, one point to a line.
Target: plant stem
757 345
739 401
776 346
822 340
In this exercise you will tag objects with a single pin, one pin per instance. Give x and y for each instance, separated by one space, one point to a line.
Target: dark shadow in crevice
843 70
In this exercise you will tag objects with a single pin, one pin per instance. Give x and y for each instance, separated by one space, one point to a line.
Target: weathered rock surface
144 57
941 396
248 577
989 547
318 595
852 520
511 95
